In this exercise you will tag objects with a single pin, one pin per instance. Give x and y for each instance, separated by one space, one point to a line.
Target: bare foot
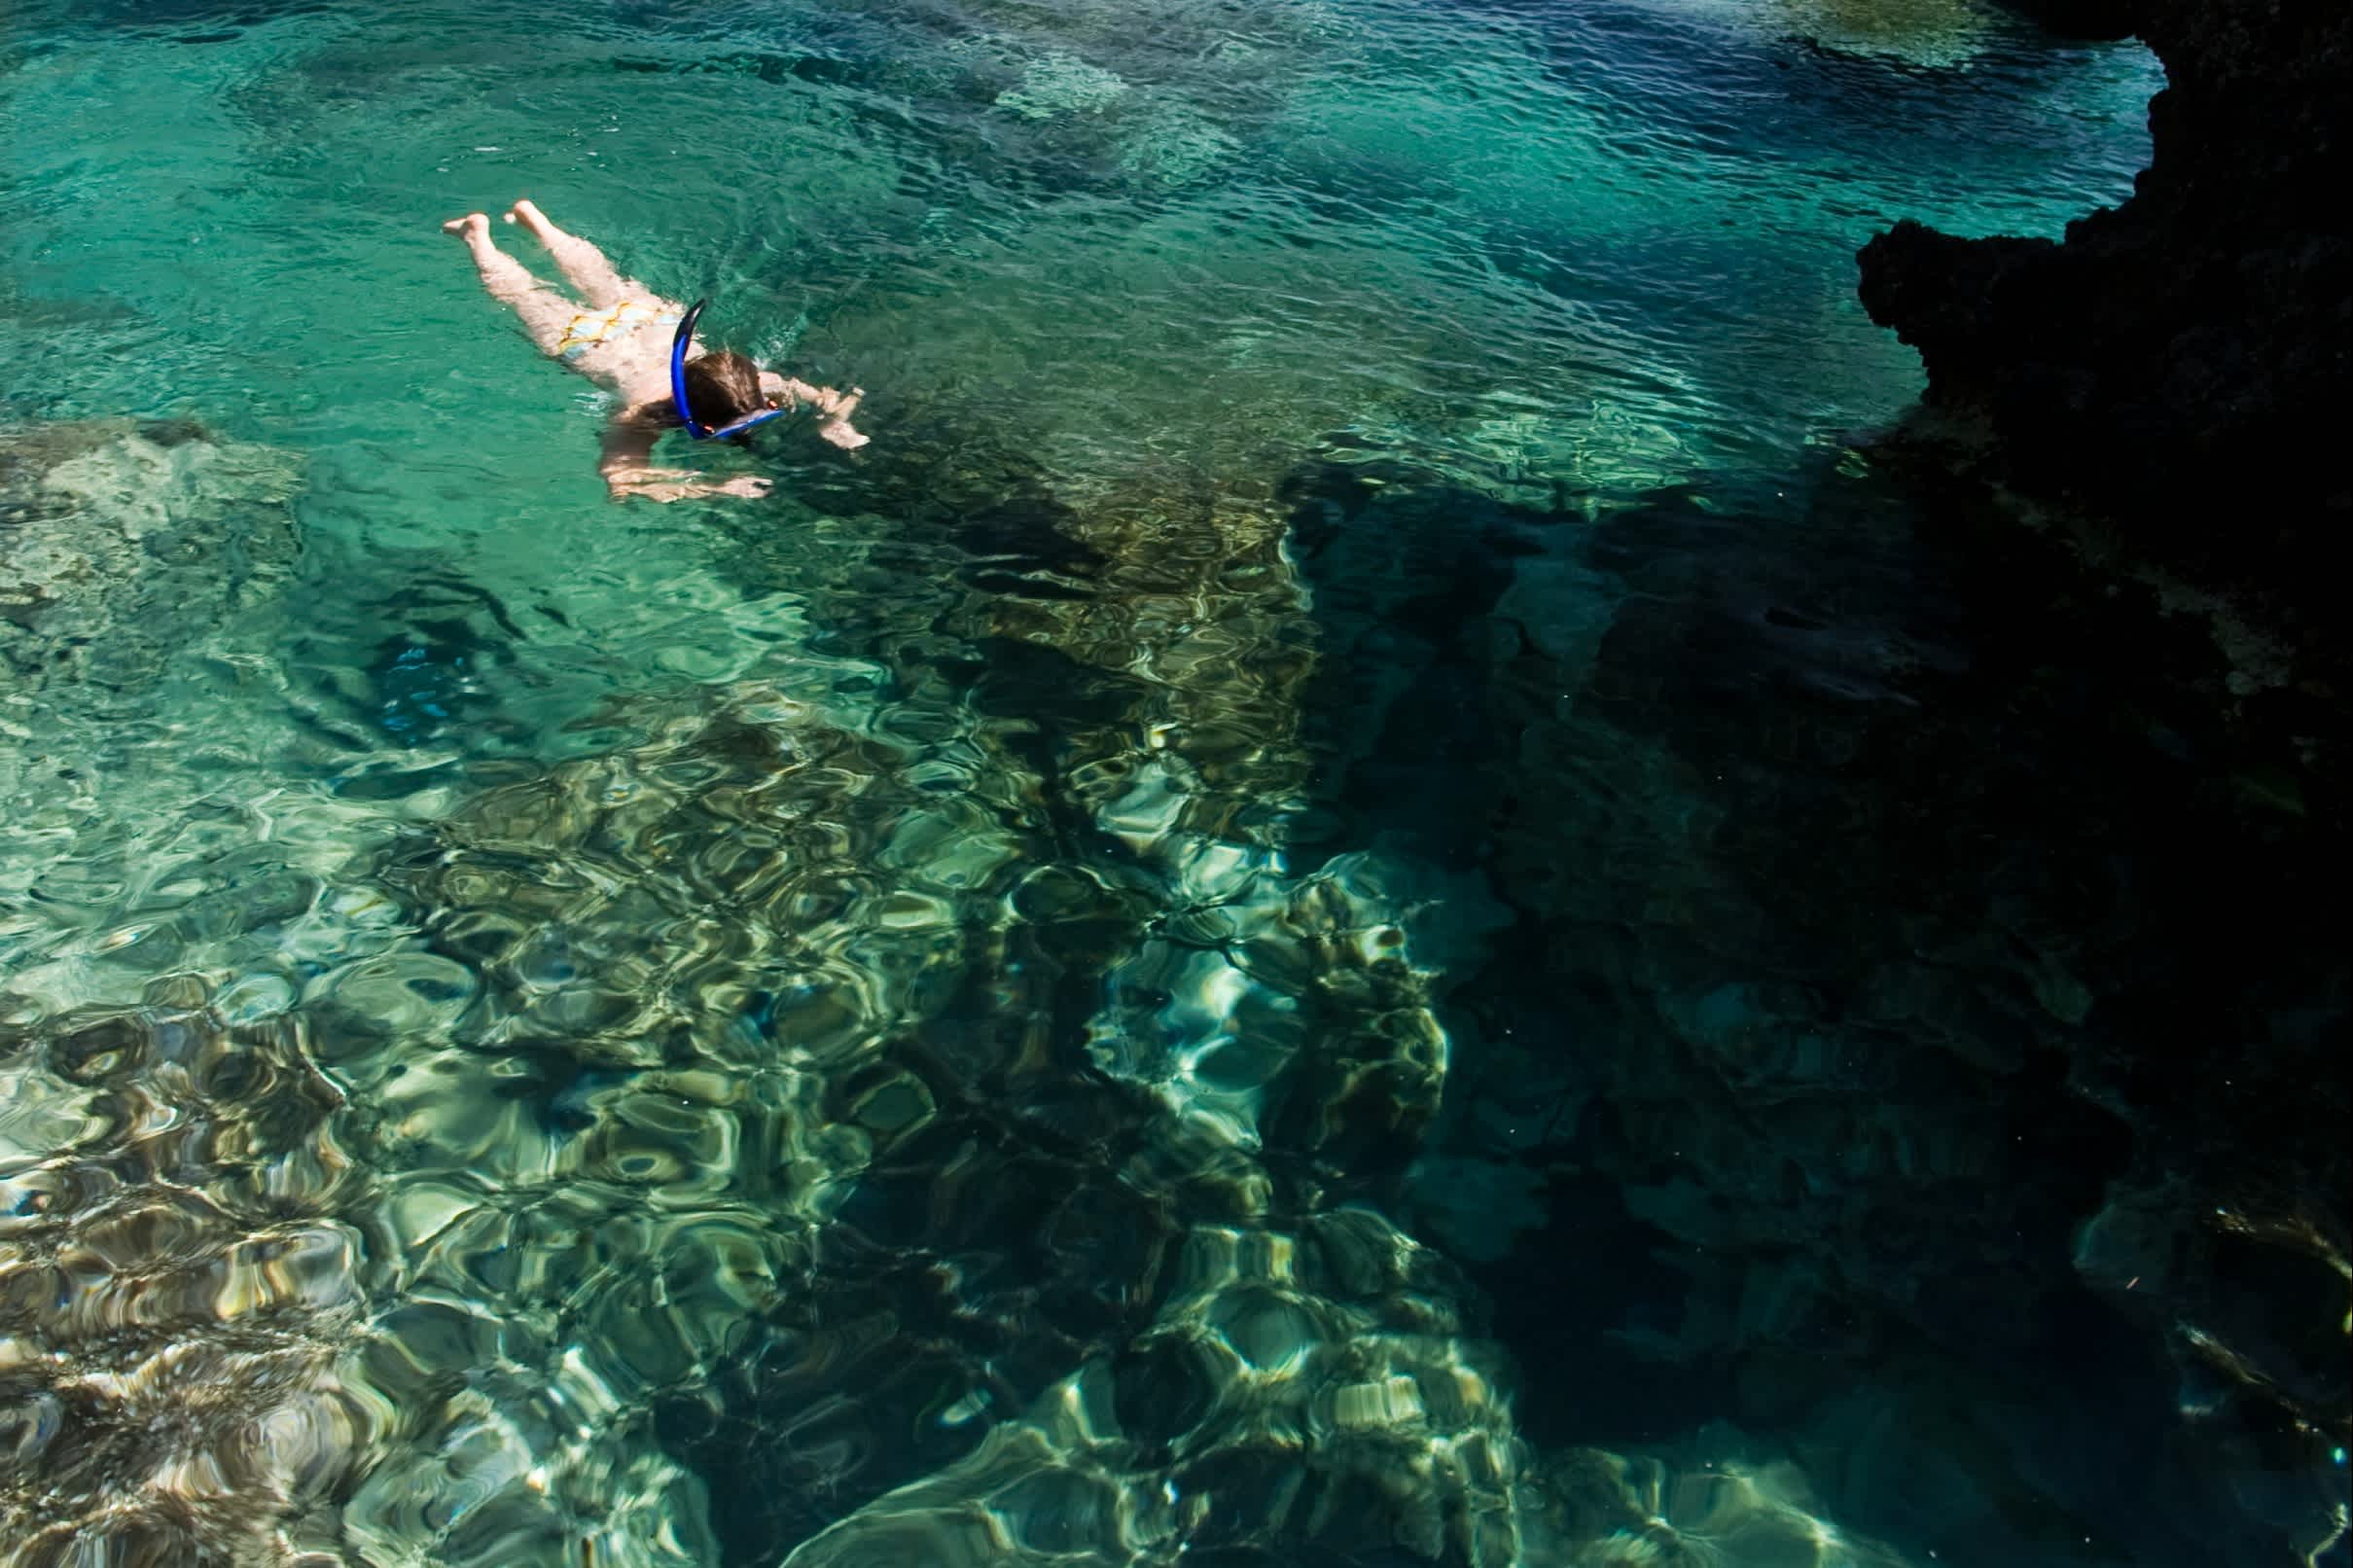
842 436
526 213
472 226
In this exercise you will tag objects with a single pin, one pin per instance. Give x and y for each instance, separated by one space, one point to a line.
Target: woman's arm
836 407
626 465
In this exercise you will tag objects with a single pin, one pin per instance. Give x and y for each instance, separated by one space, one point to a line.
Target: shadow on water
1916 1035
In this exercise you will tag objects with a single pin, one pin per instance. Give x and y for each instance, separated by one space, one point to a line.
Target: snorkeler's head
721 388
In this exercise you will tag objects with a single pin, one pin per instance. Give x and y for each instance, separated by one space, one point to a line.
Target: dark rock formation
2176 363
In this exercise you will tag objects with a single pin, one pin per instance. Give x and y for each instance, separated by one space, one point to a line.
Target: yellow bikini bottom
609 326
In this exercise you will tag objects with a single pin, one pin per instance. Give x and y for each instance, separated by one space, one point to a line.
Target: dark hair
723 385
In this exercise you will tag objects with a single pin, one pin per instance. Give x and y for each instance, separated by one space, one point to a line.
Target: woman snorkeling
634 341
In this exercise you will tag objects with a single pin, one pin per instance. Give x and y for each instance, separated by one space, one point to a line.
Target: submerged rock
2176 361
1059 84
174 1290
1696 1510
2079 19
1922 34
1301 1395
122 541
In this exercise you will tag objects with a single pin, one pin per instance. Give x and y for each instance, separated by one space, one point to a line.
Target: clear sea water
1362 896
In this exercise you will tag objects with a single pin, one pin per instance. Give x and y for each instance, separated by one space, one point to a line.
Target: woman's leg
584 266
545 313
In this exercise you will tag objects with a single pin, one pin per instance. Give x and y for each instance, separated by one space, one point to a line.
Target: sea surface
1367 895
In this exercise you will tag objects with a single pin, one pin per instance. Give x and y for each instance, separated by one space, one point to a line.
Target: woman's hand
654 484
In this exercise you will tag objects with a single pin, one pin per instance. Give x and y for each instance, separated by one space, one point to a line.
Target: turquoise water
1063 988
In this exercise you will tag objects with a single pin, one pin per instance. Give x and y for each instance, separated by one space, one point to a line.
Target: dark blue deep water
1369 893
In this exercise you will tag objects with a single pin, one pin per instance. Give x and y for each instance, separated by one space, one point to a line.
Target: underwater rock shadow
1806 833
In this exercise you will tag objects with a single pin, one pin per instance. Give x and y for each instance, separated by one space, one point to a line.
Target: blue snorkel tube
679 344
